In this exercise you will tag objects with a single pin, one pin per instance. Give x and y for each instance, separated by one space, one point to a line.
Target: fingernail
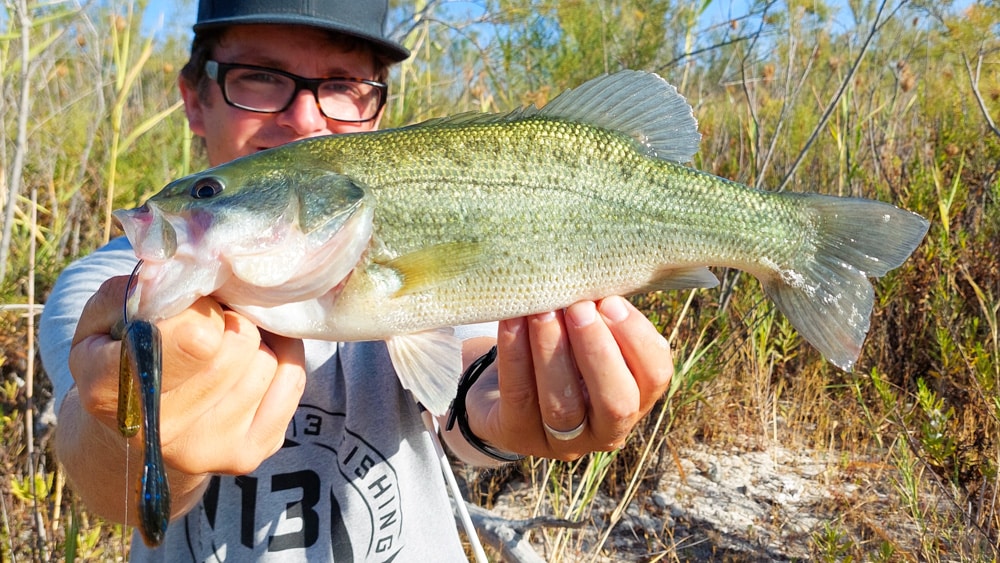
512 326
614 309
582 314
544 317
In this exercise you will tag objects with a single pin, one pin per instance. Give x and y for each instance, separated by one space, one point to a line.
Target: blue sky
179 15
165 16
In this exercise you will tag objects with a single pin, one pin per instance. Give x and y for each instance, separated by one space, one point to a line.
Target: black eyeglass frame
216 71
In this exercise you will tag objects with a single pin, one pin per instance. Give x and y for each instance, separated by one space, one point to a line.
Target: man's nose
303 115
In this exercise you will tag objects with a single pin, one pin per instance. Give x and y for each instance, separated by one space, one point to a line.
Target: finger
561 395
94 364
268 419
94 355
283 395
613 393
263 423
223 382
216 422
102 310
192 339
645 351
518 411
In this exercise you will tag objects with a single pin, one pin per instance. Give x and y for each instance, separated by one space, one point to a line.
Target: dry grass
913 432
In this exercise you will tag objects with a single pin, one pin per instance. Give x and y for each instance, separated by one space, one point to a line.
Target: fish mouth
153 238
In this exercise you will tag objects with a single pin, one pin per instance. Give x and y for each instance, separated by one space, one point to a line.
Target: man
279 448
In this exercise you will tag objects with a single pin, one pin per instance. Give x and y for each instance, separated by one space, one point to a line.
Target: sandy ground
740 504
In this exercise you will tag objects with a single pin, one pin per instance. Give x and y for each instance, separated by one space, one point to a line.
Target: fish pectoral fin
430 266
683 278
429 365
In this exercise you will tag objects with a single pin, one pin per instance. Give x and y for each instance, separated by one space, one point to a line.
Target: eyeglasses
268 90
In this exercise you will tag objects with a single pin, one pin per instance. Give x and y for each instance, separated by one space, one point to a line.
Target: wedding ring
567 435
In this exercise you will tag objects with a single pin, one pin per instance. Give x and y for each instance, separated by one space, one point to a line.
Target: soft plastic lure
139 378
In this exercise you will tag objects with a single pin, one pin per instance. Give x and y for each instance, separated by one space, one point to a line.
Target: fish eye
205 188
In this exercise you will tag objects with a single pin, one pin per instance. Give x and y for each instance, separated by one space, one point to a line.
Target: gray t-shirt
356 480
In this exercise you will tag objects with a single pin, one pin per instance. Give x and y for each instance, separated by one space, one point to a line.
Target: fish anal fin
682 278
428 364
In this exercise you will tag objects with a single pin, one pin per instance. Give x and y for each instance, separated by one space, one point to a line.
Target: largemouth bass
395 235
398 235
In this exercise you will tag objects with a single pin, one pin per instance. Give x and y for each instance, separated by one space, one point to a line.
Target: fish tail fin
827 296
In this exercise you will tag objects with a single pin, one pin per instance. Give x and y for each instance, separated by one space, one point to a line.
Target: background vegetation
890 100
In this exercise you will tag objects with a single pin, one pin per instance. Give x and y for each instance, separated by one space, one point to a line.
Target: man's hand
228 393
596 369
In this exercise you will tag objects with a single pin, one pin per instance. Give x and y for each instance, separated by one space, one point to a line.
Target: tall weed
895 101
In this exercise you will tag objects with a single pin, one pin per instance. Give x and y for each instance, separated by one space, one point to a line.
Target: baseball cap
361 18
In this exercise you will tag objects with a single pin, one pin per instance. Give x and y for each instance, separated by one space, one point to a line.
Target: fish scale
655 213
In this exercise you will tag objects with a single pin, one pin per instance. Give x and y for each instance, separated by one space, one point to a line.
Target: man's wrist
460 415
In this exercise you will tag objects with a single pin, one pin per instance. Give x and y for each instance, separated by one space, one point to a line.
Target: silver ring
567 435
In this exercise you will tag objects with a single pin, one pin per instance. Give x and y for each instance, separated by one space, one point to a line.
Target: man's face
230 132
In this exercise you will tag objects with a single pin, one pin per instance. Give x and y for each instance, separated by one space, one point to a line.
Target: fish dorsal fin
642 105
639 104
